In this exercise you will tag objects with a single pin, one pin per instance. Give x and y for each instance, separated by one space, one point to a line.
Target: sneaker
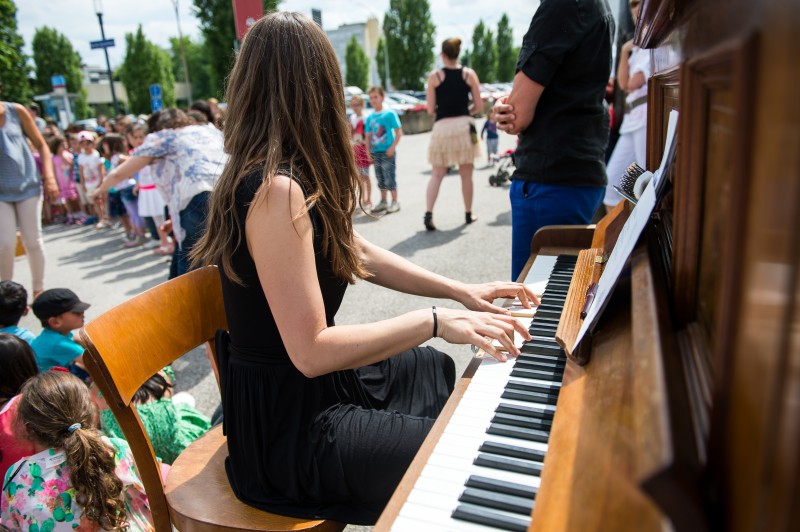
136 242
394 207
380 207
152 244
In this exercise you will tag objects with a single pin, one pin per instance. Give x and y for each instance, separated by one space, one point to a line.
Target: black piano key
545 322
502 463
500 501
501 486
530 397
549 308
519 410
547 375
522 421
486 517
536 348
533 387
537 356
549 313
512 451
518 432
552 364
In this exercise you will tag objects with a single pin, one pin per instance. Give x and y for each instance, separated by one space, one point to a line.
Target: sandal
428 220
164 250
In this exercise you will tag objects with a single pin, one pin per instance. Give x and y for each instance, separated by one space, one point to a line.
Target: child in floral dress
78 479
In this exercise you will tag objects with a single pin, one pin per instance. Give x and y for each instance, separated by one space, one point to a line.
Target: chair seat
200 497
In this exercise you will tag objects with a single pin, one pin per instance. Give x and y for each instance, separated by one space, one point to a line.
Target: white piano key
435 493
438 517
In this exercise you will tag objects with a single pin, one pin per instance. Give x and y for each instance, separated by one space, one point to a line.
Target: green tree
409 33
14 69
219 32
146 64
466 58
53 55
506 58
381 60
356 65
199 68
484 53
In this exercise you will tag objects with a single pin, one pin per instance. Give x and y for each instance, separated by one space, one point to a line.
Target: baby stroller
504 169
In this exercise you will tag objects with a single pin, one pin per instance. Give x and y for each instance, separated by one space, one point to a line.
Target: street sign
156 103
59 85
105 43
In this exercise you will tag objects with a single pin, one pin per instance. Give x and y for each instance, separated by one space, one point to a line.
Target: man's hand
504 114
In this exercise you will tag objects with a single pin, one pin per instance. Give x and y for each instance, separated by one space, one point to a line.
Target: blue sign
58 81
105 43
156 103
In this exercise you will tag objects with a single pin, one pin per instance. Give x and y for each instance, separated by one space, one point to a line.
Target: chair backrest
128 344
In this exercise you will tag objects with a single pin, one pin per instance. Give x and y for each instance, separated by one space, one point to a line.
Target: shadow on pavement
503 218
425 240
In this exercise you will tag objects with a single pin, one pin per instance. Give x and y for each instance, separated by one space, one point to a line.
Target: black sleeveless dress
332 447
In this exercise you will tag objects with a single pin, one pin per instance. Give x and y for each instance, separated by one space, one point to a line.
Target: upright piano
684 413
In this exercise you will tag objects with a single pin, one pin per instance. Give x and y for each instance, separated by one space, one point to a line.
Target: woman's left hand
480 296
51 190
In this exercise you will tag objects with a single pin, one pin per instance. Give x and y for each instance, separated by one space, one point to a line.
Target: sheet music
628 237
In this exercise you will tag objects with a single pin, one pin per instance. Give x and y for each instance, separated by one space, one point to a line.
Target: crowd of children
64 462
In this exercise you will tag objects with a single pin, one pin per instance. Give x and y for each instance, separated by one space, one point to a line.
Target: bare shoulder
471 75
280 195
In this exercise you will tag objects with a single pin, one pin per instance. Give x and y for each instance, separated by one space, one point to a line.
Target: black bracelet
435 322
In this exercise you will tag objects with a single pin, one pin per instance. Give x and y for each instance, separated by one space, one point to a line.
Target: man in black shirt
556 107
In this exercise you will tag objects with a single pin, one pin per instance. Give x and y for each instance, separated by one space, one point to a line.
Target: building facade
367 34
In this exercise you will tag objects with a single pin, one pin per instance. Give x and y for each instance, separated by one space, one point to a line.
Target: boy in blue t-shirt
61 312
382 130
14 305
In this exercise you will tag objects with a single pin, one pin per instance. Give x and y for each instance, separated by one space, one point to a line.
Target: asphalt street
95 265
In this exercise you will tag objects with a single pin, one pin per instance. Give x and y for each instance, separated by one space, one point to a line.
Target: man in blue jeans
556 107
382 131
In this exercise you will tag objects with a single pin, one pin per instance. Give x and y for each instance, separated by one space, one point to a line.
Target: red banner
245 14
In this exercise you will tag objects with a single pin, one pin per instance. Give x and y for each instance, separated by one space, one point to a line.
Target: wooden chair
126 346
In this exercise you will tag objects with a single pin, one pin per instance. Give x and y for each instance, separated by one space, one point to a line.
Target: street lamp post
183 54
98 9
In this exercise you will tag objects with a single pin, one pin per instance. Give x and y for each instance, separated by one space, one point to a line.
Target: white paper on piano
630 234
619 256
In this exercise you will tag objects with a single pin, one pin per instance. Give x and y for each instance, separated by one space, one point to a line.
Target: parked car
88 124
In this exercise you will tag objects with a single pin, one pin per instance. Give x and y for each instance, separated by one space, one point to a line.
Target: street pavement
93 264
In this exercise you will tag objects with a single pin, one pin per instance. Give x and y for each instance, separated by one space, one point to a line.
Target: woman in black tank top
454 140
322 419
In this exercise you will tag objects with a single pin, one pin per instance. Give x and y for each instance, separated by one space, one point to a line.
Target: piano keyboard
485 470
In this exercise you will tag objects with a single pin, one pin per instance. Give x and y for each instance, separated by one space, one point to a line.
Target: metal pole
108 66
386 59
183 54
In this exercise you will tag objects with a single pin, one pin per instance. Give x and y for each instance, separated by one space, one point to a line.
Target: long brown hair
286 110
50 404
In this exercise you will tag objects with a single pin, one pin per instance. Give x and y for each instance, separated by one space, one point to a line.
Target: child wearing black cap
60 311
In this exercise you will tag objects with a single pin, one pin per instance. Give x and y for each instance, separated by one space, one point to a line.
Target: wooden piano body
687 415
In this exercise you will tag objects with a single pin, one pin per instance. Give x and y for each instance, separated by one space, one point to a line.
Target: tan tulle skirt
451 142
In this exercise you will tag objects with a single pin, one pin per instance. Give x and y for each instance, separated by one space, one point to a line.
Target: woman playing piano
322 420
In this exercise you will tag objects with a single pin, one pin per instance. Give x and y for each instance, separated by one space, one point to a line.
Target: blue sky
77 20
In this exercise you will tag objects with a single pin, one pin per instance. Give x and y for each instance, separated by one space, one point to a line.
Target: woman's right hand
480 329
